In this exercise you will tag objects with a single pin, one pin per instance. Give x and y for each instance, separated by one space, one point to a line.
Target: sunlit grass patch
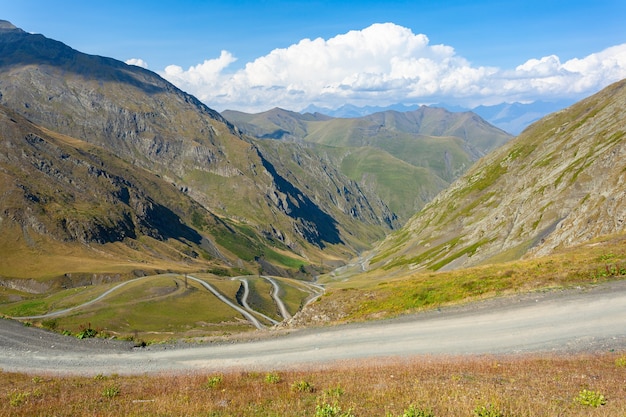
540 386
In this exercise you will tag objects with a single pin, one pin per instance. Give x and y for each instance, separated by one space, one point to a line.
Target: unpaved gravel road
579 320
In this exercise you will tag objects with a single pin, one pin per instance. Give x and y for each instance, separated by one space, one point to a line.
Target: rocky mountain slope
141 118
560 183
404 157
63 196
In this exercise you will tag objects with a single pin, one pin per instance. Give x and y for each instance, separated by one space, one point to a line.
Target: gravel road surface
577 320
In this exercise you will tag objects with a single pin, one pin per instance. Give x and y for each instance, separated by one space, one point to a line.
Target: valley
148 241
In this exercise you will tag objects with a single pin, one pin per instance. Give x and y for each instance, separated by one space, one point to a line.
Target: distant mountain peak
5 25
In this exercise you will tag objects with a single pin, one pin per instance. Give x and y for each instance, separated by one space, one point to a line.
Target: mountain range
107 170
406 158
510 117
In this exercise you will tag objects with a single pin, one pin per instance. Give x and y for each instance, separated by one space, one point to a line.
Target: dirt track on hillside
578 320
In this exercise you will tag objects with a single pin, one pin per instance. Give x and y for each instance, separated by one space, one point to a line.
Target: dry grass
448 386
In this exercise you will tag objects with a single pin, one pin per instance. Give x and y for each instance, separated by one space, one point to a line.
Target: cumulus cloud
138 62
384 64
202 80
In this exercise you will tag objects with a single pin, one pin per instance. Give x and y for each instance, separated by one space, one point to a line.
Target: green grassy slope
156 308
438 145
72 207
557 184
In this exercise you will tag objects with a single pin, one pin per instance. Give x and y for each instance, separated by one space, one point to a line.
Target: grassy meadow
354 295
490 386
158 308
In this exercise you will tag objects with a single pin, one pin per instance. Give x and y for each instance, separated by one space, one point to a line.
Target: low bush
302 386
487 411
590 398
272 378
18 398
331 410
414 411
111 391
213 381
86 332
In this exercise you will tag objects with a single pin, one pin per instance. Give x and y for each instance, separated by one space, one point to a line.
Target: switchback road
577 320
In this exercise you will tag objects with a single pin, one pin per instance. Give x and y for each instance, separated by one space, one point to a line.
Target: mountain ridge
64 190
557 184
510 117
407 158
147 121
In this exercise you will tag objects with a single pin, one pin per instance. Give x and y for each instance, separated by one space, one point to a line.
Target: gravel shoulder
589 319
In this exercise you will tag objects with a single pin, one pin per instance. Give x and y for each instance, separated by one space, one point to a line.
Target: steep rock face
560 183
70 191
145 120
309 185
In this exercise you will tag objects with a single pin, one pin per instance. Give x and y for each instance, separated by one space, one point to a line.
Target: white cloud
384 64
202 80
138 62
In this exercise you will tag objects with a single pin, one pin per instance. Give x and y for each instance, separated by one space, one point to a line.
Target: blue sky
254 55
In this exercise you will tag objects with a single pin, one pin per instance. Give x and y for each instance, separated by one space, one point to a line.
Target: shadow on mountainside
317 226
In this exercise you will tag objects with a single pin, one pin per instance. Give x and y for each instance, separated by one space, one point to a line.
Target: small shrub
213 382
18 398
621 362
413 411
487 411
50 324
86 332
334 392
111 392
302 386
37 380
99 377
590 398
331 410
272 378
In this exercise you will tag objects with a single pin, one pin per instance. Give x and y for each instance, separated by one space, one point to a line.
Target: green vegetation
111 391
272 378
325 409
260 298
538 386
86 332
160 307
392 179
377 294
487 411
213 382
28 308
302 386
590 398
414 411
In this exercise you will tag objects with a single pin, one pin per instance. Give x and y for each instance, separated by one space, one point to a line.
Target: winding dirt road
284 313
577 320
